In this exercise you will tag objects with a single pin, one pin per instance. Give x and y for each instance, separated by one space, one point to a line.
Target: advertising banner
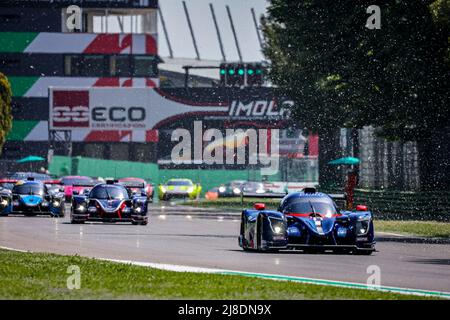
135 114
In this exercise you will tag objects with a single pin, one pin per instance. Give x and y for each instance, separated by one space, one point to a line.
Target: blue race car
31 198
310 221
110 202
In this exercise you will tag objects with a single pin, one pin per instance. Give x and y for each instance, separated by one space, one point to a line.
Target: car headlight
45 203
190 189
15 203
92 209
56 203
222 189
138 209
277 226
236 191
81 208
163 189
4 202
362 225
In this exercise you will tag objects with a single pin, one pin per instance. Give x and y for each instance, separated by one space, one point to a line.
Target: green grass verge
44 276
417 228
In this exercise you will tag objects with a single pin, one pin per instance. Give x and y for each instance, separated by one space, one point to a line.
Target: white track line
353 285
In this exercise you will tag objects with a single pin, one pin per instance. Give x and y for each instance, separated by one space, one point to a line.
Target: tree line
342 74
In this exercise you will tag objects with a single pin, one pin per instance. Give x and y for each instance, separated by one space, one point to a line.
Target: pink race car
76 183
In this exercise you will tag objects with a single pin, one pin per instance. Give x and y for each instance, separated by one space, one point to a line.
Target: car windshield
29 189
77 181
109 193
179 183
309 205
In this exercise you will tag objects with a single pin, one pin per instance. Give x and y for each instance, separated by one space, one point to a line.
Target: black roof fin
309 190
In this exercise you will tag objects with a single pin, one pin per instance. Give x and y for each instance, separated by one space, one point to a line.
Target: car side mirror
361 207
259 206
75 192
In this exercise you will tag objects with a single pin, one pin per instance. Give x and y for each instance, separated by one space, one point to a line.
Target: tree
342 74
318 53
5 108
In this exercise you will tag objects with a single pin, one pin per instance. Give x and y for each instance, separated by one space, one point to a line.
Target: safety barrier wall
208 178
402 205
385 204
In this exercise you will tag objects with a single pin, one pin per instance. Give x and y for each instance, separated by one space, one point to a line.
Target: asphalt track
180 236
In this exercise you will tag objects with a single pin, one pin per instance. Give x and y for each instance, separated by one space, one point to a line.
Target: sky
205 31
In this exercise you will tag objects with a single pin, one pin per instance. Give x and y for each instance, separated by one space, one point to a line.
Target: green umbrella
345 161
30 159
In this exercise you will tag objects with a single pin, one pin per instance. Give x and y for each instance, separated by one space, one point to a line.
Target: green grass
44 276
418 228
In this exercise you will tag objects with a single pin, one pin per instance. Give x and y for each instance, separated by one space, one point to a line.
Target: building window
144 66
94 65
84 65
110 66
98 20
120 66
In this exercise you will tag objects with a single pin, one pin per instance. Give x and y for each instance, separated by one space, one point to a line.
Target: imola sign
110 114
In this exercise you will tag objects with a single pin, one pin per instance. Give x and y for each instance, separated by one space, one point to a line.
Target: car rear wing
339 198
133 185
266 195
8 181
58 182
86 185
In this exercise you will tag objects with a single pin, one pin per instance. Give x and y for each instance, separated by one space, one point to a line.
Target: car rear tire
312 250
363 252
137 223
30 214
62 213
259 236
